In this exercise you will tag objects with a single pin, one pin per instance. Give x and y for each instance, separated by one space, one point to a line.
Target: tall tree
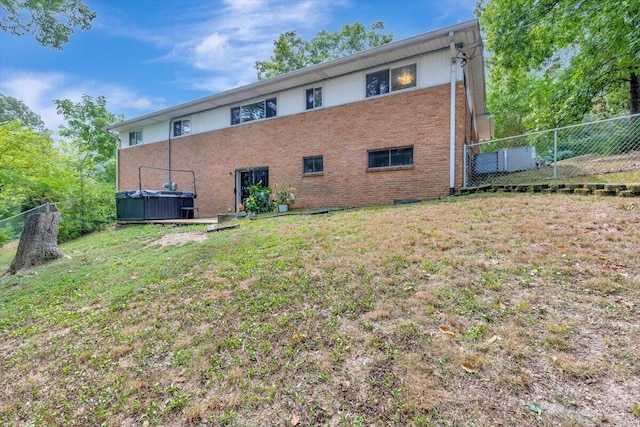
95 151
86 121
51 22
32 170
291 52
38 242
13 109
573 57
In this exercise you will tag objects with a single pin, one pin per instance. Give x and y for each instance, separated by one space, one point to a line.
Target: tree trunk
635 93
38 242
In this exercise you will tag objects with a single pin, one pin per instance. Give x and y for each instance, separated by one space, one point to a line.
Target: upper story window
256 111
135 138
393 79
312 164
314 98
182 127
390 157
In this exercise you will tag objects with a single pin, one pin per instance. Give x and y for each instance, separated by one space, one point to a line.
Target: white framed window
390 157
135 138
390 80
314 97
182 127
255 111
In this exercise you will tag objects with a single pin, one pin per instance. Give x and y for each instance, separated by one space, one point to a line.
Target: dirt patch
179 239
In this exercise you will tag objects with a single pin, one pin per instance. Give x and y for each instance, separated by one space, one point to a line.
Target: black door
245 178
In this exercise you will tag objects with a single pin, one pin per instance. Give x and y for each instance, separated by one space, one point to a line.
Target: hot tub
142 205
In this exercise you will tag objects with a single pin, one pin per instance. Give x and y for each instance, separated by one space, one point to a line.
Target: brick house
377 127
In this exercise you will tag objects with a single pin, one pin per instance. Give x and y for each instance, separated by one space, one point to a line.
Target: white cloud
39 90
229 40
211 52
220 83
222 43
123 100
36 91
244 6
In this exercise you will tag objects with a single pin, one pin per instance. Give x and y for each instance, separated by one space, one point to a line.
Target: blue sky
145 55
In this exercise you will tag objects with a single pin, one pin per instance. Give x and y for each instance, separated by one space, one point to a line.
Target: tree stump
38 242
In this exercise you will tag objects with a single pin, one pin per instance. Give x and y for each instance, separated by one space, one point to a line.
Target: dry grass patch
492 310
574 368
178 239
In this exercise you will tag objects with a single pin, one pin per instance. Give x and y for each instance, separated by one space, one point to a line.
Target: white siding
291 101
155 133
343 90
433 69
210 120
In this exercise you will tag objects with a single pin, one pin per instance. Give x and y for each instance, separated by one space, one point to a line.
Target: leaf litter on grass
473 311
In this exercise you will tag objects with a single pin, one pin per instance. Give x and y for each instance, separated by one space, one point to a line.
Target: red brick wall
341 134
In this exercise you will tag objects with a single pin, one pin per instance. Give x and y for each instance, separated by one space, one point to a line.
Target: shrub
259 199
6 234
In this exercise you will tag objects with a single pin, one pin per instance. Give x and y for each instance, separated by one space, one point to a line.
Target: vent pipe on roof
452 115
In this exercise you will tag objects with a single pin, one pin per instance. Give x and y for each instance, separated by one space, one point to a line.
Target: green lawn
511 309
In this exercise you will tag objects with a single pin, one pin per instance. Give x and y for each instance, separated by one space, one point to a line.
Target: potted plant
259 200
240 212
284 198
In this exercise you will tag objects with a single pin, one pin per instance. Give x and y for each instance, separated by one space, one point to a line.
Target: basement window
312 165
182 127
390 157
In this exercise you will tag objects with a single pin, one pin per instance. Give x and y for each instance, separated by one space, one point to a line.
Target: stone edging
596 189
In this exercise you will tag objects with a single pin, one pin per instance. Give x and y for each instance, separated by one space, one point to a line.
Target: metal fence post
464 165
587 149
555 154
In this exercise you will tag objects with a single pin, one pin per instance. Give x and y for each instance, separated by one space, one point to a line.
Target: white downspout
117 136
452 116
118 165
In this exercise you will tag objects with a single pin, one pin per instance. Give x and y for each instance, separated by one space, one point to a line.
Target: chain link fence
10 228
75 219
606 151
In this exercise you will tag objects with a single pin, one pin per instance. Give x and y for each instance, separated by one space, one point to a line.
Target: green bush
259 199
6 234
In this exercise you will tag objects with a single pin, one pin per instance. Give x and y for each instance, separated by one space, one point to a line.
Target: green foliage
552 62
292 53
93 151
32 170
50 22
285 196
259 199
86 212
6 234
617 141
13 109
76 174
86 121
